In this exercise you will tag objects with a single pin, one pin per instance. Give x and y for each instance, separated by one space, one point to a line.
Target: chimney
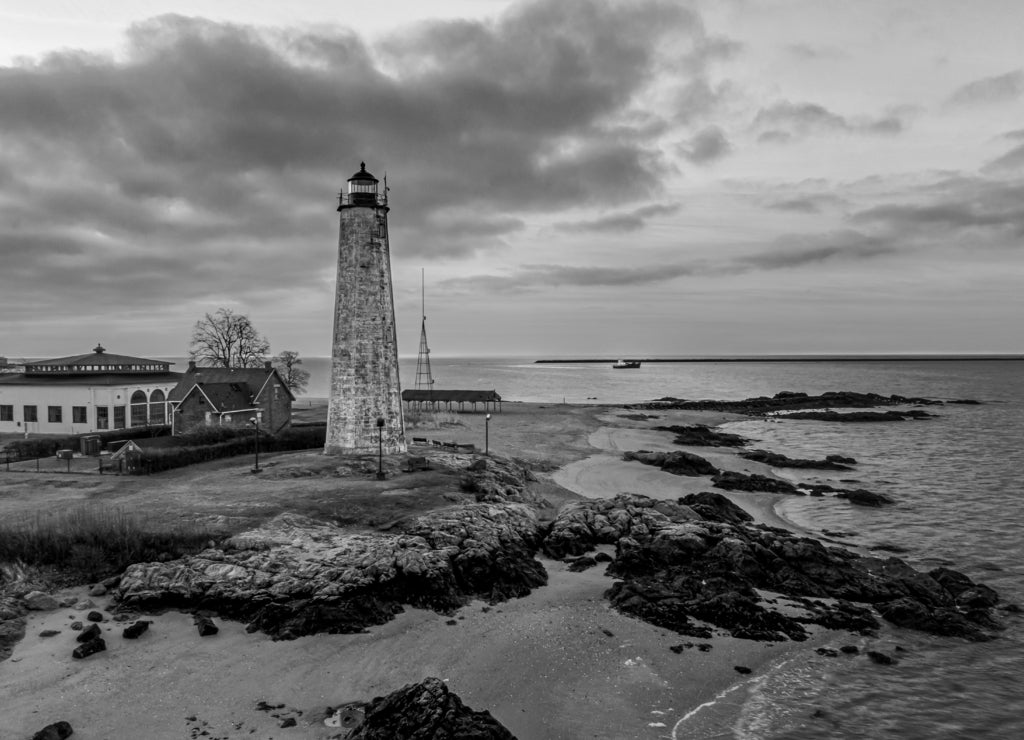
267 365
191 366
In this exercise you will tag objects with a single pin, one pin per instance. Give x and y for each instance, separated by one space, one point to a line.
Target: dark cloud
800 249
810 51
784 121
209 156
620 222
706 146
1012 161
806 203
989 90
1002 211
529 278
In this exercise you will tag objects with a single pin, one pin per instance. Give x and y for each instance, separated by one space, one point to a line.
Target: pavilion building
86 393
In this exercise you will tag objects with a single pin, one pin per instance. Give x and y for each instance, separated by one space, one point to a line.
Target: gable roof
227 388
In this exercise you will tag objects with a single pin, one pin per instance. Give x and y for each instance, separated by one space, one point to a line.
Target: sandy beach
558 663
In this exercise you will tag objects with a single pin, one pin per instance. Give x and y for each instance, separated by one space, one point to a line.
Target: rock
55 731
864 498
677 463
857 416
49 633
582 563
827 652
89 633
76 626
849 649
94 616
603 557
781 461
499 479
684 575
98 590
741 669
702 436
733 481
287 722
111 582
295 576
582 525
205 626
715 507
764 405
91 647
40 602
82 605
136 629
881 658
426 711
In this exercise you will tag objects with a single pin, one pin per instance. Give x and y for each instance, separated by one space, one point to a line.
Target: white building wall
44 395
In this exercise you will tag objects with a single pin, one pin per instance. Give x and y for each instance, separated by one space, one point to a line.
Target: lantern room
362 189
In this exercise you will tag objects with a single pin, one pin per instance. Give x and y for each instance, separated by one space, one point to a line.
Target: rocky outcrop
691 575
786 401
702 436
864 498
427 710
730 480
497 479
776 460
677 463
857 416
582 525
296 576
55 731
714 507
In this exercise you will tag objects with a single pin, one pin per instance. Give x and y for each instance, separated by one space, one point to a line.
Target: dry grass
93 540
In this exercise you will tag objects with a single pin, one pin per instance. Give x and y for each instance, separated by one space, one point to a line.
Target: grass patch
93 541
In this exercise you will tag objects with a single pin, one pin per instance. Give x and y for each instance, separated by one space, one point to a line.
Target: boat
624 364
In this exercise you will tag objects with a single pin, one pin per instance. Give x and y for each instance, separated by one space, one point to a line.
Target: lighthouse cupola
362 189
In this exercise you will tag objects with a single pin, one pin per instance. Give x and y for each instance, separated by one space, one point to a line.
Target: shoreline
559 662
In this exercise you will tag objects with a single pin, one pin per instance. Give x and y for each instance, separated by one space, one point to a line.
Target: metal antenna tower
424 379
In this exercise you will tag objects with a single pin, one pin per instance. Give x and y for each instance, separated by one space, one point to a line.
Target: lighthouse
365 406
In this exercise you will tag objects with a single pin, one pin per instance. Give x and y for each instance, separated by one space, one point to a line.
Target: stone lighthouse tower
365 403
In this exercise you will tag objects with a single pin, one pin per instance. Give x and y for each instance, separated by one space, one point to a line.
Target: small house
230 397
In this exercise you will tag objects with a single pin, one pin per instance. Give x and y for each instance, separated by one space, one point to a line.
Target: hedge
215 443
29 449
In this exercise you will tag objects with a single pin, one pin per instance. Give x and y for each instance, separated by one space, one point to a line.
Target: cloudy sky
576 177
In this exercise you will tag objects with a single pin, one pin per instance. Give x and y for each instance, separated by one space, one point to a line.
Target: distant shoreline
812 358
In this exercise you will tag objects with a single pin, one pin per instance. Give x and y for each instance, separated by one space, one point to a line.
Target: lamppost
487 435
256 431
380 448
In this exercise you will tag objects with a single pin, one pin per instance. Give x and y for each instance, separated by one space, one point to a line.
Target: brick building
230 397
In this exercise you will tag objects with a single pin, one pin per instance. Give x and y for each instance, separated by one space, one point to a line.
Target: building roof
363 174
227 388
97 361
443 396
90 379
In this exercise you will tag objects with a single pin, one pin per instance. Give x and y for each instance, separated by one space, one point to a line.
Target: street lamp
380 448
256 431
487 435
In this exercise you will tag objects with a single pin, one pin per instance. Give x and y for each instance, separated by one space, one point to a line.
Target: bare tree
227 339
295 377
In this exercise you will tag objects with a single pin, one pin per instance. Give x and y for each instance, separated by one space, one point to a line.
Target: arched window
157 407
139 409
